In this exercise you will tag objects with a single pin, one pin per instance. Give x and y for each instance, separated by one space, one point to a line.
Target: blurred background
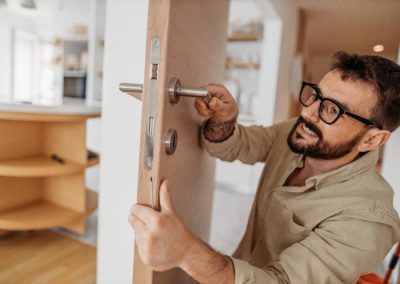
56 52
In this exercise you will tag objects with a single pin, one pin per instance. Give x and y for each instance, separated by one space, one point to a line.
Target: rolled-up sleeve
249 144
338 251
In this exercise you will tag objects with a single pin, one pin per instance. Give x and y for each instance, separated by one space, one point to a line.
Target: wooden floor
45 257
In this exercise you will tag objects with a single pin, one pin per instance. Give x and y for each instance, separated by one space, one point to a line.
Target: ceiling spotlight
378 48
29 4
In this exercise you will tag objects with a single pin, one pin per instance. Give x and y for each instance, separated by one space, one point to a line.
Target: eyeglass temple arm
363 120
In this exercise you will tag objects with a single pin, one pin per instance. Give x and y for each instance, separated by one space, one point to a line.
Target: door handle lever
135 90
175 91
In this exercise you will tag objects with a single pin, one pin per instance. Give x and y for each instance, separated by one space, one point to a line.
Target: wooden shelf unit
43 158
242 64
245 37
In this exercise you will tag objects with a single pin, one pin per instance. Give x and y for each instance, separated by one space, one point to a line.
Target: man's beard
320 149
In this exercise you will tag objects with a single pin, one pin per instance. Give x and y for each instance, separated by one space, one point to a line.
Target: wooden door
185 39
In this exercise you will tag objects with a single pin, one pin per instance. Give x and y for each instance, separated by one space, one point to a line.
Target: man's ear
373 139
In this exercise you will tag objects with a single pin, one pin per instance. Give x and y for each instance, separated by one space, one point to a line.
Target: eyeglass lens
328 110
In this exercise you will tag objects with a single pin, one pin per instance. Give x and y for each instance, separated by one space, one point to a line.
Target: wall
390 161
123 62
96 50
236 176
265 102
289 16
5 62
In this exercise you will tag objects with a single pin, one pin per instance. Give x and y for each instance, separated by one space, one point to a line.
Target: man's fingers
217 90
165 197
200 104
214 104
144 213
136 223
202 108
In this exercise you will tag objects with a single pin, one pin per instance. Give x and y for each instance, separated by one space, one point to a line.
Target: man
321 214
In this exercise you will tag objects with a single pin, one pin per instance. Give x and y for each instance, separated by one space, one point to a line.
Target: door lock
175 91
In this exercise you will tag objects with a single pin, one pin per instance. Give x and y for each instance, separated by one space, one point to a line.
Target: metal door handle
135 90
175 91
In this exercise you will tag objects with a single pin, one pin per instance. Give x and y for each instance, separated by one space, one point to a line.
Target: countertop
68 106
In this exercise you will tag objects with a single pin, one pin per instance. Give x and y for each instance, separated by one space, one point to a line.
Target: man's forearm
206 265
217 131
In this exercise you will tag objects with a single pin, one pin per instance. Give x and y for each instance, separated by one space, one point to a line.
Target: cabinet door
185 39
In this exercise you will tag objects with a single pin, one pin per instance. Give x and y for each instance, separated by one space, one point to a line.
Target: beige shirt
336 227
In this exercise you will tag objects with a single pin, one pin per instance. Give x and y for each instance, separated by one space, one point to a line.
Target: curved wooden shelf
42 166
35 216
42 215
38 166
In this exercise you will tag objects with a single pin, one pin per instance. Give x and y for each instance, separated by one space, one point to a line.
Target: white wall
96 50
5 62
125 33
289 15
270 60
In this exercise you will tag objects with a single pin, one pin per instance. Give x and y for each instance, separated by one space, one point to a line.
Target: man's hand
164 242
162 239
221 106
221 111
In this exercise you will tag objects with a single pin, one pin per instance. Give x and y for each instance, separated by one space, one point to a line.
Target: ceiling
351 25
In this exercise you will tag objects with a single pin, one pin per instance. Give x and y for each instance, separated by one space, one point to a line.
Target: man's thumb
165 197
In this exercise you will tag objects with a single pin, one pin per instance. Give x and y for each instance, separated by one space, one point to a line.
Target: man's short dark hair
380 73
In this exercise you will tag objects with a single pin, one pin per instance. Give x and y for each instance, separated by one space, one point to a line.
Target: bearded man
321 214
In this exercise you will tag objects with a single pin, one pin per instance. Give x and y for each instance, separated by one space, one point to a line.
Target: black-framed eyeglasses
329 110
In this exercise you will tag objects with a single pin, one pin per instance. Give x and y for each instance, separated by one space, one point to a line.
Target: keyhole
174 142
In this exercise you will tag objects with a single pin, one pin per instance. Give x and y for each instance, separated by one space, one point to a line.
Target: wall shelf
242 64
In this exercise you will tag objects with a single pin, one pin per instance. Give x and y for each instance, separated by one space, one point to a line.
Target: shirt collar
362 164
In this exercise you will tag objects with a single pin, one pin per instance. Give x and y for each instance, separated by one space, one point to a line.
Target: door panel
192 37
